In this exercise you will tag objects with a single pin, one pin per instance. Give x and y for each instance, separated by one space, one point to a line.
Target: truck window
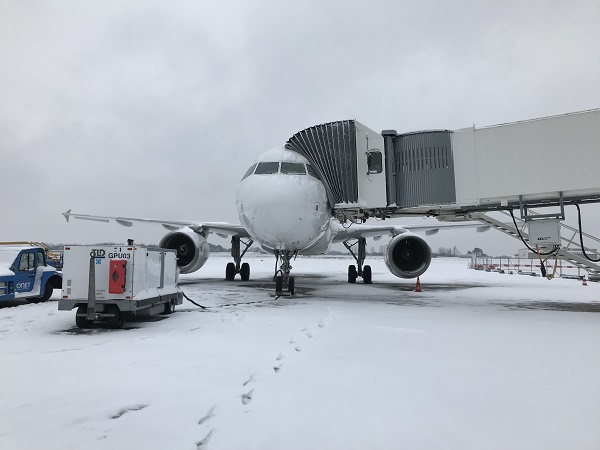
27 261
40 259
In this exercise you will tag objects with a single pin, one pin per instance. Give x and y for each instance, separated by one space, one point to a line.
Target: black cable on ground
581 236
190 300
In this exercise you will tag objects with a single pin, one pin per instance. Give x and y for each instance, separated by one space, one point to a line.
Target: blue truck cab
25 274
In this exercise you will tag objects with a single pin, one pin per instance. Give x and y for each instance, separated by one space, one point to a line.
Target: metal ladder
567 248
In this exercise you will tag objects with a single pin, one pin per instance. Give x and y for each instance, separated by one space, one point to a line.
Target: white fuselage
283 205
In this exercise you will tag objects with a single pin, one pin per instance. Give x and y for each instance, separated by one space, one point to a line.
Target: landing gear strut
361 271
284 283
234 268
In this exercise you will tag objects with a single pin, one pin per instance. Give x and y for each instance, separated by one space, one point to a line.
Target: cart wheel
117 320
169 308
81 318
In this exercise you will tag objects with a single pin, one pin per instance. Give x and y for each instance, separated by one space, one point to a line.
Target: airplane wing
222 229
357 231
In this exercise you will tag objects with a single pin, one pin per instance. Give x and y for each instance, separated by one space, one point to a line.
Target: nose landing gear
361 271
234 268
284 283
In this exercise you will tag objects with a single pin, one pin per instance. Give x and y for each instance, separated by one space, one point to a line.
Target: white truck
109 283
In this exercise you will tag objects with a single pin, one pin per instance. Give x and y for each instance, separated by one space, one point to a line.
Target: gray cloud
156 109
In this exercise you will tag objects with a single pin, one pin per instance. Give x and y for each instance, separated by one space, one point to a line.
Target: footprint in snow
249 380
280 357
247 398
209 415
277 368
308 334
127 409
201 445
298 348
321 324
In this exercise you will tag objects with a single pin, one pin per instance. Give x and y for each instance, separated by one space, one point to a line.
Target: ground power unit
111 283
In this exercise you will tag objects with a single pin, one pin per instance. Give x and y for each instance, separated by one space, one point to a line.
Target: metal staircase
570 250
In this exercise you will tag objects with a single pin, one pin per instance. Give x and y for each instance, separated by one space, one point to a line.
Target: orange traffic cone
583 281
418 286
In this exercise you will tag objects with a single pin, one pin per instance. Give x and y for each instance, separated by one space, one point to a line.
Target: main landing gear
359 270
234 268
284 283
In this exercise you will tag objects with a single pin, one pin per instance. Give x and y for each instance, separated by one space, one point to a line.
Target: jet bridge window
264 168
293 168
374 161
250 171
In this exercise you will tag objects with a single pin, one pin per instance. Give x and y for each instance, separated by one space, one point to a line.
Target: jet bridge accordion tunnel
539 162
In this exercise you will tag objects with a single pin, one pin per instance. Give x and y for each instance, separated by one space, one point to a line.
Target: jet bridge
541 162
459 174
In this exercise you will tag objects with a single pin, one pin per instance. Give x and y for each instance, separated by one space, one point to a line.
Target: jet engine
192 249
408 255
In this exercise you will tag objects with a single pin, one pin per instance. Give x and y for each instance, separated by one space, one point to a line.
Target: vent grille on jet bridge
331 149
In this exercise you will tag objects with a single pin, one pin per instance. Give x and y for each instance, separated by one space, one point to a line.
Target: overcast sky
156 109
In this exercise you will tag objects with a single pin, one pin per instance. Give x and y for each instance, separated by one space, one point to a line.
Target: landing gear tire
278 285
291 285
80 318
352 274
230 271
117 320
367 275
245 272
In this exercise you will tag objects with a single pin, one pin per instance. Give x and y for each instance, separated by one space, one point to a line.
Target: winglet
67 215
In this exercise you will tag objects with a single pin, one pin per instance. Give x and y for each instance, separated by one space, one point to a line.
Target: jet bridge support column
390 164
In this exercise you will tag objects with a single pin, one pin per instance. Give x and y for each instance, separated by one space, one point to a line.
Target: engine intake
408 256
192 249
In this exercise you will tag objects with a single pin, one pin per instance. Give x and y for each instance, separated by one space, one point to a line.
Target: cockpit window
311 171
250 170
266 168
293 168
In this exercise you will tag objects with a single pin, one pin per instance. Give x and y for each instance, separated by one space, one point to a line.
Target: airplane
282 205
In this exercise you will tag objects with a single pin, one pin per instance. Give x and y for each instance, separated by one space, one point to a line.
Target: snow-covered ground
477 360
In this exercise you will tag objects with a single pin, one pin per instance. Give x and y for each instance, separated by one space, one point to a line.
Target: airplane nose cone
275 206
278 212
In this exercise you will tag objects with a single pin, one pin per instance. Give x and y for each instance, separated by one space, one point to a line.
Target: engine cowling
192 249
408 255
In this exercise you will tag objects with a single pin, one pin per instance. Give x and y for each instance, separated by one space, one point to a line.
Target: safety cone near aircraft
584 281
418 286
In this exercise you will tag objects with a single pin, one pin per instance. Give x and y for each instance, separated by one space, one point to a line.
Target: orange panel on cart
116 276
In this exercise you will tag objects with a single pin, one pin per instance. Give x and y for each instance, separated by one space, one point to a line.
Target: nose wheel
233 268
285 284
